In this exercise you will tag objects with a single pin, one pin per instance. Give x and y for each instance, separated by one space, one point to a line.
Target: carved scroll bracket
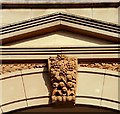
63 73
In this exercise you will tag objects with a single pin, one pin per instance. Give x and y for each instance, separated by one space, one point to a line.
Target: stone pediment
59 39
70 25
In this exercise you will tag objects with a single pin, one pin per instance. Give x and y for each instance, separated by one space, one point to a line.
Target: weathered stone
71 92
57 78
69 77
63 71
73 98
64 89
55 85
70 84
54 99
69 98
61 84
59 98
5 68
64 98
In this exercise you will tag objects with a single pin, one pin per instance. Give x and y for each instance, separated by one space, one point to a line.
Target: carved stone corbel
63 73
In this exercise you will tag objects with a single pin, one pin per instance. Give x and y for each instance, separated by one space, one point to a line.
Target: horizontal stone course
59 1
81 69
8 68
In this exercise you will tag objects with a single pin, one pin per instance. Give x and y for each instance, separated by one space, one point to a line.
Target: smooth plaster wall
60 38
9 16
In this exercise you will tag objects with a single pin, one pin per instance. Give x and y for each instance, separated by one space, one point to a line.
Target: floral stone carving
63 73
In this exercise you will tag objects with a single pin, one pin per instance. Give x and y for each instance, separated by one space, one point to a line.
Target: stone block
89 84
12 90
14 106
36 85
38 101
110 89
88 101
110 104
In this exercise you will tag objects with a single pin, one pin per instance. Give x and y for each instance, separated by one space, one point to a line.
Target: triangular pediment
59 39
60 29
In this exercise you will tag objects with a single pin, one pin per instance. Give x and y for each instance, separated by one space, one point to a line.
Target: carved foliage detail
63 72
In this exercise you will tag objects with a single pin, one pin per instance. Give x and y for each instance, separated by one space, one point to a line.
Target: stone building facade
33 31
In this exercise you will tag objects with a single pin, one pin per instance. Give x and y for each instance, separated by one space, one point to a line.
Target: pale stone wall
31 87
16 15
24 81
60 38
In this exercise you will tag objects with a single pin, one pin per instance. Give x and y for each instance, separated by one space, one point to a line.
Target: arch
31 87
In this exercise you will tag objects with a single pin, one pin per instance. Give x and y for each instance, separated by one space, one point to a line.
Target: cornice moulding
99 53
59 4
60 21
